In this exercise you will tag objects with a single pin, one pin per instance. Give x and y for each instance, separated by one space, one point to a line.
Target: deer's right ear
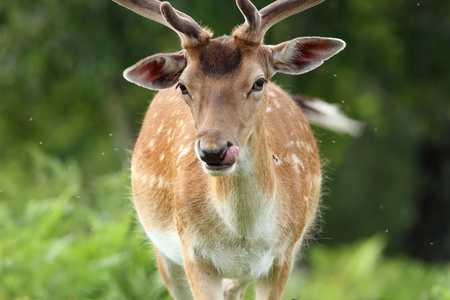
158 71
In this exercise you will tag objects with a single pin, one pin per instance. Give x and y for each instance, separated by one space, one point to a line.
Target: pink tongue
231 156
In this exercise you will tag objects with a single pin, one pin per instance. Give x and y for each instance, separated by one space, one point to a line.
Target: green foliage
360 271
60 80
394 76
63 238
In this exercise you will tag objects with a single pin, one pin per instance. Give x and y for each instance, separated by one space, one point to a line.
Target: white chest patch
238 258
244 242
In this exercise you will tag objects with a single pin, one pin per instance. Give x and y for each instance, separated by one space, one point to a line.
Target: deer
226 174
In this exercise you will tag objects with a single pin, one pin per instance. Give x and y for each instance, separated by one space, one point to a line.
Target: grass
360 271
63 236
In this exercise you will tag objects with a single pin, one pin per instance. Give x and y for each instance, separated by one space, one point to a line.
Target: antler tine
183 24
281 9
149 9
251 14
162 12
258 22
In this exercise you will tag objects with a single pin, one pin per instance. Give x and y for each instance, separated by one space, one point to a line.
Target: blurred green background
68 121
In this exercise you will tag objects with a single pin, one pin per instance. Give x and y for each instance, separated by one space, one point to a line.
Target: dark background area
61 90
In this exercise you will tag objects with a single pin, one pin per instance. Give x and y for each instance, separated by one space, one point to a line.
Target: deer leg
174 277
204 280
271 287
234 289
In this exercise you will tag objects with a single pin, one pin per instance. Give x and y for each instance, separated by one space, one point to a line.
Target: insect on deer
226 175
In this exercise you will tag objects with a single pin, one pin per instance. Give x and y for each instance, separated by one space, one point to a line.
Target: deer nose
212 156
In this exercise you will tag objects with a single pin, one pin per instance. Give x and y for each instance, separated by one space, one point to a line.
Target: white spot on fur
153 181
277 104
182 151
160 128
306 200
296 163
303 126
311 185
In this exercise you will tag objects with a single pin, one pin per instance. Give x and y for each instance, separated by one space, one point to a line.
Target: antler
258 22
190 32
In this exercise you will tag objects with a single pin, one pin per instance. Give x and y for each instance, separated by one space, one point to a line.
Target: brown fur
219 57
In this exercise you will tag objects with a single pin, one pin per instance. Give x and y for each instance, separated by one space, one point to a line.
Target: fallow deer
226 175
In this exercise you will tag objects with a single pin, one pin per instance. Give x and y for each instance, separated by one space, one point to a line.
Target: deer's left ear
157 72
303 54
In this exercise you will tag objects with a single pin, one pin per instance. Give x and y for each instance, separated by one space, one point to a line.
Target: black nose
212 157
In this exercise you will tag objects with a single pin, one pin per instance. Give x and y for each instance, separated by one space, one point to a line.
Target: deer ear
158 71
304 54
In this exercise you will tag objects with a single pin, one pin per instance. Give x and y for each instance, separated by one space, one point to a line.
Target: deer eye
183 89
258 85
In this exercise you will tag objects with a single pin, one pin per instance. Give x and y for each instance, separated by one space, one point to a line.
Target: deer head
223 80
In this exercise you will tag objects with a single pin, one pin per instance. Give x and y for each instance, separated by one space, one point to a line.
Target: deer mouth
218 170
224 165
217 167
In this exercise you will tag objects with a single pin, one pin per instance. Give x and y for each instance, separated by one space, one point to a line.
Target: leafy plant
64 236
